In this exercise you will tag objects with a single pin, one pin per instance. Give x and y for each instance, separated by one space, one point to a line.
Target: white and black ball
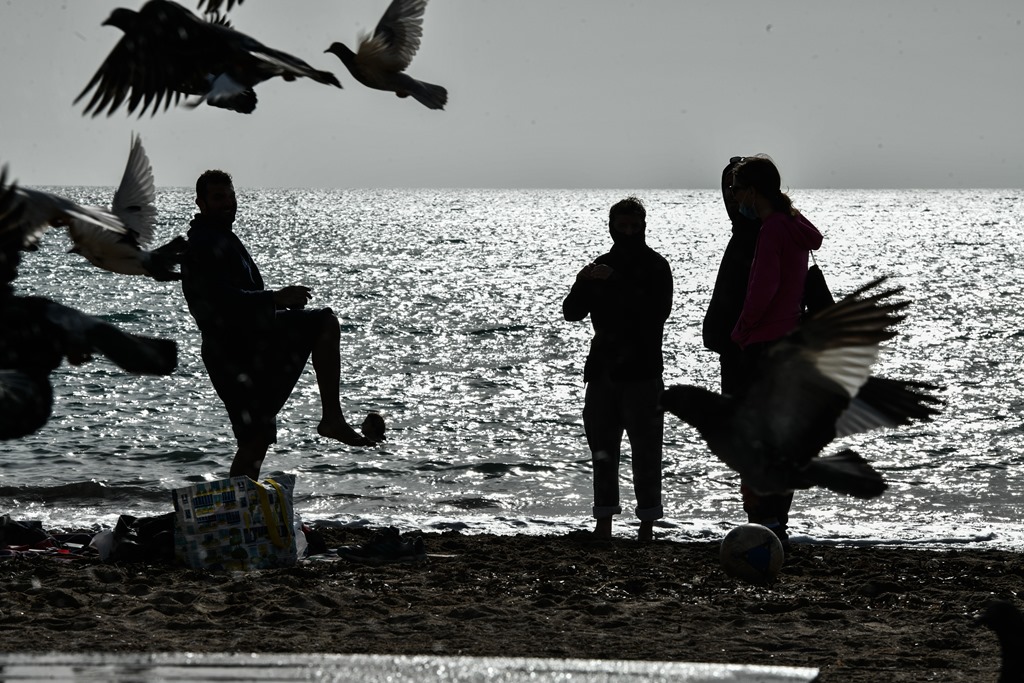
753 553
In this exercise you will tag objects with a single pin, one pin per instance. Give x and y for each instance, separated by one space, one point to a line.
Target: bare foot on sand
341 431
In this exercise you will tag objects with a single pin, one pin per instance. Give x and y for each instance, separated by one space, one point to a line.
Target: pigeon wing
43 210
137 72
808 379
135 199
167 53
213 6
248 61
11 206
883 403
397 37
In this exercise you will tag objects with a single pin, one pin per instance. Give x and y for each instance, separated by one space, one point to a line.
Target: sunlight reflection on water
450 306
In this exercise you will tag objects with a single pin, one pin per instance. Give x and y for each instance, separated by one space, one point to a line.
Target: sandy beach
858 614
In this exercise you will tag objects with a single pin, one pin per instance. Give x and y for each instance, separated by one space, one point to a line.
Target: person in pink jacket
774 300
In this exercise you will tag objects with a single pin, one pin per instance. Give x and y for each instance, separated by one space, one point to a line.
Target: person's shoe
385 547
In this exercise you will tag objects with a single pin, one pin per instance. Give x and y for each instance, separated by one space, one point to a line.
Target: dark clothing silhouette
628 312
737 367
254 353
623 370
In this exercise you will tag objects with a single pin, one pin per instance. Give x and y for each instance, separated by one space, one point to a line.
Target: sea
450 306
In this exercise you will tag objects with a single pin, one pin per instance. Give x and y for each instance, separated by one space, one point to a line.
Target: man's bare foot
603 528
646 533
341 431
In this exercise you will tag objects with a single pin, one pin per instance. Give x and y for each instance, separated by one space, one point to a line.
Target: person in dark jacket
731 288
256 341
628 294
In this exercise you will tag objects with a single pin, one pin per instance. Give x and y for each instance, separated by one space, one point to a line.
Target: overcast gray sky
558 93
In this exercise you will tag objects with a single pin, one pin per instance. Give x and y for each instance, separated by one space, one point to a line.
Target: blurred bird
112 238
383 57
134 203
39 334
167 53
804 396
11 206
30 213
26 401
1008 623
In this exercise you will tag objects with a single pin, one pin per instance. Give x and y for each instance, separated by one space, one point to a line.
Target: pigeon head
124 19
343 53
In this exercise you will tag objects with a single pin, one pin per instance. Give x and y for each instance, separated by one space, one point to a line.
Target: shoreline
857 614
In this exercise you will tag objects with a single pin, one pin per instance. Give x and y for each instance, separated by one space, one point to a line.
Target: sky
649 94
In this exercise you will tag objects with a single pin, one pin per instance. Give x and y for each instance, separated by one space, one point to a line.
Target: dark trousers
739 369
611 408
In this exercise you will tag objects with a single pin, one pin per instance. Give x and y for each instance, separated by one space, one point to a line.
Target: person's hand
294 296
595 271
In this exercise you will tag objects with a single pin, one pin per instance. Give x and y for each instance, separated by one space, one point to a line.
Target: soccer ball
751 552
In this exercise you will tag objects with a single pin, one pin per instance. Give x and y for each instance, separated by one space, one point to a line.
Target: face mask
748 211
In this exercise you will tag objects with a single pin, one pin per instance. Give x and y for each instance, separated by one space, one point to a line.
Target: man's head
627 220
215 197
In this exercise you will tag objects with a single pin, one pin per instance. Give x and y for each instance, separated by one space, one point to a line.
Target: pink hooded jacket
775 293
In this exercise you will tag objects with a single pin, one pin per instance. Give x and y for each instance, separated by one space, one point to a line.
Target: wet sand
857 614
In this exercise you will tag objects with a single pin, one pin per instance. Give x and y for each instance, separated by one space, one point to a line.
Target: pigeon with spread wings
113 238
168 53
134 203
803 397
382 58
31 213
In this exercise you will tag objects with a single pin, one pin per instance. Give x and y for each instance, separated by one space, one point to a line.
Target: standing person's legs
233 368
604 429
771 511
644 424
249 458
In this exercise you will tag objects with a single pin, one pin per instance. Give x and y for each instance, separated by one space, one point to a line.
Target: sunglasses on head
736 160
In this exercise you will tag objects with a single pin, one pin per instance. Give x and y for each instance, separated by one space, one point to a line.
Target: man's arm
577 304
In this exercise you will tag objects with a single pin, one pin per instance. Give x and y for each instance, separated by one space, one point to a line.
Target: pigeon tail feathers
429 95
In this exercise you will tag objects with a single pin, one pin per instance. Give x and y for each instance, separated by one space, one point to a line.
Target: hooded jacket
628 312
775 292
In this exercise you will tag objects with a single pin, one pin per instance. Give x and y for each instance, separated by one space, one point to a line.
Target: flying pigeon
134 204
112 238
26 401
168 53
383 57
39 334
1008 623
803 398
30 213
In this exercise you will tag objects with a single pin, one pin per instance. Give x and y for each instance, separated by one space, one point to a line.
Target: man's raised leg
327 366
